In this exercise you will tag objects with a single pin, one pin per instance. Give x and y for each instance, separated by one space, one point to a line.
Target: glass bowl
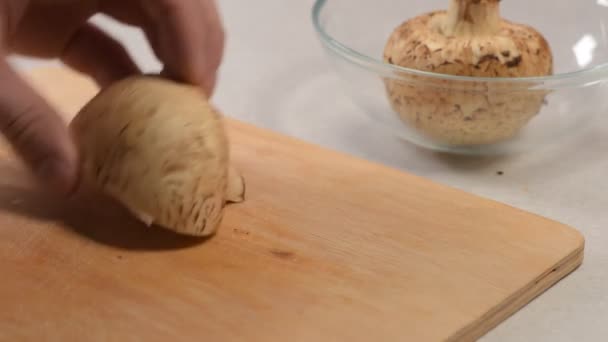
502 114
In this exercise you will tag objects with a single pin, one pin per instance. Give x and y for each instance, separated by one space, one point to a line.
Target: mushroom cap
458 112
159 148
516 50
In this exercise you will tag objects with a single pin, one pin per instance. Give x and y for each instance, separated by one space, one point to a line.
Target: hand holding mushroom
469 39
186 36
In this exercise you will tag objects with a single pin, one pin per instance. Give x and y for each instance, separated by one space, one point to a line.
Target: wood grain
326 247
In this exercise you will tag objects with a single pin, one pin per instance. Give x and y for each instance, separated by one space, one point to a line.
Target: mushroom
469 39
159 148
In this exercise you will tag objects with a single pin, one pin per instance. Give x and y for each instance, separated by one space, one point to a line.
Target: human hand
186 36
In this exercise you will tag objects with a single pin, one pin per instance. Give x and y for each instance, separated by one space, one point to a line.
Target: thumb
36 132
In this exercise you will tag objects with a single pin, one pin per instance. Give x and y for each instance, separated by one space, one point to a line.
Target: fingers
187 36
92 51
36 132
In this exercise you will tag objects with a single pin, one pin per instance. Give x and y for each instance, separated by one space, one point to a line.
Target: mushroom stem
472 17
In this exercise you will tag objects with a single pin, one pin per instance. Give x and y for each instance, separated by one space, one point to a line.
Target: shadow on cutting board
93 217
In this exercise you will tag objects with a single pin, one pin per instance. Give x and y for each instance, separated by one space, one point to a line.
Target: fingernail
57 175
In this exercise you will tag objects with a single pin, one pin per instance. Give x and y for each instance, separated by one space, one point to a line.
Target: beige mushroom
469 39
160 149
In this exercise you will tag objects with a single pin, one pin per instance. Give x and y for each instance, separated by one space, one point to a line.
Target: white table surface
291 88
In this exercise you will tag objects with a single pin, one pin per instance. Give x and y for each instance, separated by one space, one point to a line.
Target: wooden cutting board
327 247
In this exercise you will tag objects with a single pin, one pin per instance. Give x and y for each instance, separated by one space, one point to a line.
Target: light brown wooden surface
326 248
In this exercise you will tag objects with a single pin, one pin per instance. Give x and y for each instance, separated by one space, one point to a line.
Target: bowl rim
586 75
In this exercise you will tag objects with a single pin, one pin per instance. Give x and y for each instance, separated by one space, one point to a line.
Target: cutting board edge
514 303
